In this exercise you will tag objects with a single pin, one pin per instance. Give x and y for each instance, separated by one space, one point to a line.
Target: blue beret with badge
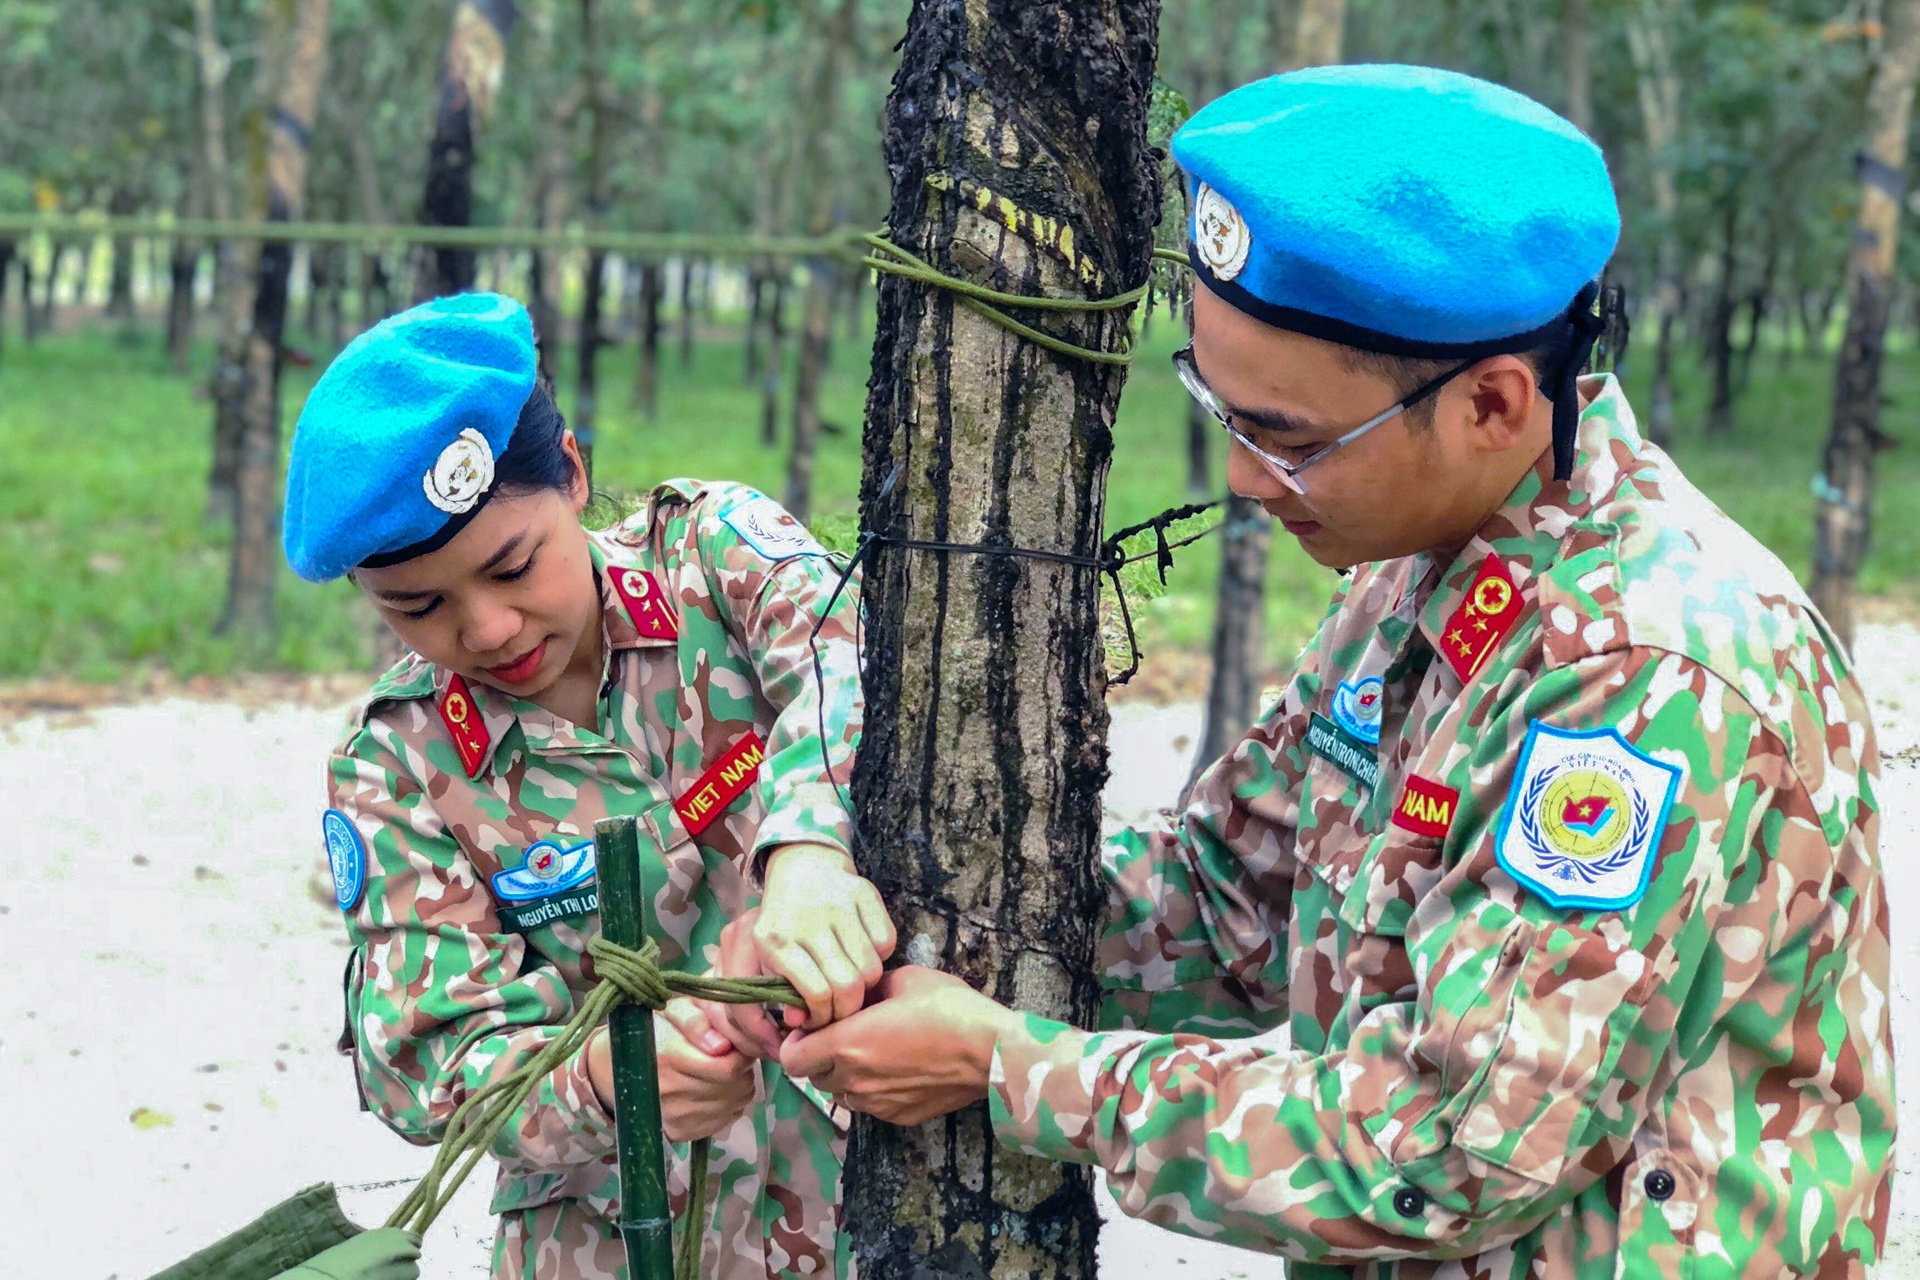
1403 210
394 452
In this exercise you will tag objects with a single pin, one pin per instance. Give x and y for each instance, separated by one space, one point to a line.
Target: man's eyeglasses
1288 473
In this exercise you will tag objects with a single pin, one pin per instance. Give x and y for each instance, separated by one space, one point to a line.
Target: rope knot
635 973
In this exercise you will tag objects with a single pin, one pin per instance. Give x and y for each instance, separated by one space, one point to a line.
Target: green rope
624 975
890 258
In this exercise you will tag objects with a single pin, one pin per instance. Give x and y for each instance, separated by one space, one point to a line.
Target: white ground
166 1033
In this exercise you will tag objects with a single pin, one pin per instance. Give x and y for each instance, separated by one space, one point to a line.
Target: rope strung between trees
625 975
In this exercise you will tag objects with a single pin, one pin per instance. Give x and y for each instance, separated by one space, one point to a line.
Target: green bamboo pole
646 1217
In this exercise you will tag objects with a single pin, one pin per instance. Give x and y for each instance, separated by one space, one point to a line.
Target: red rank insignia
464 725
721 784
1425 808
1482 621
646 604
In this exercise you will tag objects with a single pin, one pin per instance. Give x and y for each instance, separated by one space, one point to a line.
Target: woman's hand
822 927
705 1084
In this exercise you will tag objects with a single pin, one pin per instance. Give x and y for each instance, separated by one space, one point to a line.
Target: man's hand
705 1084
822 927
922 1049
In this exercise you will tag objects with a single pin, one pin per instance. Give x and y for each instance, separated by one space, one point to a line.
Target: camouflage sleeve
773 585
1198 907
447 1003
1457 1120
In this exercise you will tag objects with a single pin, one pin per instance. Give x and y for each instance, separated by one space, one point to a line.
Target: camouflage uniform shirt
1584 960
476 811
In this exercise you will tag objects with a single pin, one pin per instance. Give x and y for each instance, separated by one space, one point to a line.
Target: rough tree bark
1011 124
1657 84
1240 593
1843 523
816 329
256 526
470 75
599 196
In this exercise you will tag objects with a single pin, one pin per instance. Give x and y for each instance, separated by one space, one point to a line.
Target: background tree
1845 520
981 765
470 74
256 531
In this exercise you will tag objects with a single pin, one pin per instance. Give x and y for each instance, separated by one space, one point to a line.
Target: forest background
1732 131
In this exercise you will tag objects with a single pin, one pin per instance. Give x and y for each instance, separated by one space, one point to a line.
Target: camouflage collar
1527 533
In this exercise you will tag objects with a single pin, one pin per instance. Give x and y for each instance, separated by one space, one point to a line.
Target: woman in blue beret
664 668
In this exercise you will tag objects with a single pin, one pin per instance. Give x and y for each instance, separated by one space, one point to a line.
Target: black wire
1111 559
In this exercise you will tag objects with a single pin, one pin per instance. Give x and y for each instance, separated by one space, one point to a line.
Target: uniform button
1659 1185
1409 1203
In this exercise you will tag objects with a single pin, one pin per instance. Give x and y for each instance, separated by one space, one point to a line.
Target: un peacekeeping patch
765 525
1584 817
346 858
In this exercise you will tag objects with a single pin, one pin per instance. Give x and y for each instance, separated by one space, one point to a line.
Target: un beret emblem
1220 234
461 474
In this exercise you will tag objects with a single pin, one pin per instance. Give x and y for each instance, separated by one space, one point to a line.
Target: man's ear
1502 394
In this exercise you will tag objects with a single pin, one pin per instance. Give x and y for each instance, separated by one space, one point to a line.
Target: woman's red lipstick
520 669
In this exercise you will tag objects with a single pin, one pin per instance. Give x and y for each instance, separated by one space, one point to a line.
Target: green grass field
110 566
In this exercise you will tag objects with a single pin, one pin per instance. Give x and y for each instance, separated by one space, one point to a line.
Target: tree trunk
1240 594
184 270
1239 650
256 531
1720 329
980 769
774 362
1200 429
1283 24
236 262
1577 41
55 260
1658 90
1759 305
6 264
756 307
550 188
646 364
599 177
816 331
686 311
1843 524
470 74
29 318
123 203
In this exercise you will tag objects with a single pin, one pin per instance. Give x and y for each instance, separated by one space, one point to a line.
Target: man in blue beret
1557 854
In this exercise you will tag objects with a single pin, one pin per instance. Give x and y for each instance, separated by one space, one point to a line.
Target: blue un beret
1404 210
395 449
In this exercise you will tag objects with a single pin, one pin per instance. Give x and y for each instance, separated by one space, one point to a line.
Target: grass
110 565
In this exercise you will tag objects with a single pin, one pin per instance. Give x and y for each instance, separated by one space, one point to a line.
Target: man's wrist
791 855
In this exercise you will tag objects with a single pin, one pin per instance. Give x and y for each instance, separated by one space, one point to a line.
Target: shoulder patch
1482 621
1584 818
646 603
464 725
346 858
766 526
1359 706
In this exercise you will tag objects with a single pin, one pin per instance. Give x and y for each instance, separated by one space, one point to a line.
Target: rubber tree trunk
756 306
773 360
29 317
183 272
687 271
1200 429
646 365
1239 633
1843 523
551 188
256 531
1720 328
470 73
6 264
1576 26
599 181
1657 87
1240 591
123 203
236 262
980 769
823 276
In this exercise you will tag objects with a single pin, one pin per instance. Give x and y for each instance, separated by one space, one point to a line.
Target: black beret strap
1586 323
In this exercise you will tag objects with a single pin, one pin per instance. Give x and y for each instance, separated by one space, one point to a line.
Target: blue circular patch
346 857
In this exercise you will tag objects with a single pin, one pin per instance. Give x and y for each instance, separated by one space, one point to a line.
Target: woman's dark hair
534 459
